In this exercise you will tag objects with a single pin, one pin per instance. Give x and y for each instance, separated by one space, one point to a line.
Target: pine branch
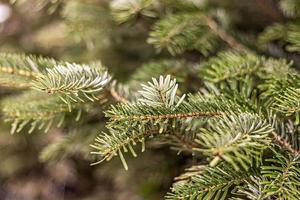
41 111
230 65
237 139
283 176
18 70
158 111
160 93
252 190
288 102
288 35
210 183
181 32
73 82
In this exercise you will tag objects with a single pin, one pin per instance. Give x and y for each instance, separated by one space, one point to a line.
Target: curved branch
231 41
282 142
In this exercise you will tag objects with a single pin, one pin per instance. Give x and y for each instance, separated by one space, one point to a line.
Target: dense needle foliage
199 76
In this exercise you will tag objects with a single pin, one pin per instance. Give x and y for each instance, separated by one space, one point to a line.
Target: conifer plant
227 99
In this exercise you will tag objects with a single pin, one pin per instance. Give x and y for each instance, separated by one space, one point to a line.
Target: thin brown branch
231 41
117 96
282 142
168 116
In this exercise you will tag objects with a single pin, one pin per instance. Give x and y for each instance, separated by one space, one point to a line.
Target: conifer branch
24 65
283 176
41 111
210 183
288 102
73 82
18 70
253 189
230 65
237 139
181 32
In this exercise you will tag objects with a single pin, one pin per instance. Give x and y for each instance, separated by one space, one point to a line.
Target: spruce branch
181 32
253 189
238 139
181 141
275 84
288 35
160 93
159 111
199 31
41 111
282 176
73 82
18 70
288 102
24 65
285 134
188 174
230 65
269 10
122 93
280 93
209 183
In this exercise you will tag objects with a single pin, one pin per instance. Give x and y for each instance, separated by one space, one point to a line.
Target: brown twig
282 142
168 116
117 96
231 41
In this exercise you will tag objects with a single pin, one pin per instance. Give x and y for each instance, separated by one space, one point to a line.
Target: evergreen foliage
195 84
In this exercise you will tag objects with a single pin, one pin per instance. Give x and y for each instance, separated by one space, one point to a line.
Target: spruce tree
199 76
